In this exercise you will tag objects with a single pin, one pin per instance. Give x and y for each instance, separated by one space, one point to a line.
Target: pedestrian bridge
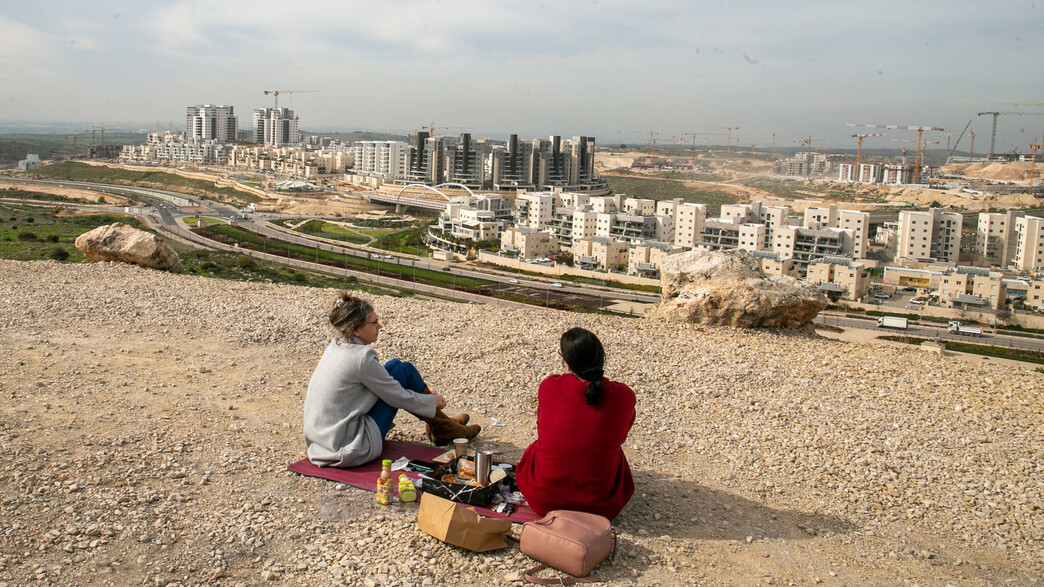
417 195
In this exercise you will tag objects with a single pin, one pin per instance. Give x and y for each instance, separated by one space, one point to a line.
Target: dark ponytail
585 357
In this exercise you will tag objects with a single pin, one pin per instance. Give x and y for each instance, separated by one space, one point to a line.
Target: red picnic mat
365 476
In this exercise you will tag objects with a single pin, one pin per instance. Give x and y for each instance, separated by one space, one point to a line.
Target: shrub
244 262
299 277
52 238
30 219
58 254
26 235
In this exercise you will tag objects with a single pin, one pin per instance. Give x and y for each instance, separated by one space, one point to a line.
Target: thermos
483 462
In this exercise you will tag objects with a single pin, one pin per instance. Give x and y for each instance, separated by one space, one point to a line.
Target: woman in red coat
577 462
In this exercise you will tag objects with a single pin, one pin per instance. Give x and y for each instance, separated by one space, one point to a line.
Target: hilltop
148 419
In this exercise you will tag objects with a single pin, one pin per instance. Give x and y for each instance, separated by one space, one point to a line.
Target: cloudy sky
614 69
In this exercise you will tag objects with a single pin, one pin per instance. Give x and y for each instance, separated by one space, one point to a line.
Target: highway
166 212
931 330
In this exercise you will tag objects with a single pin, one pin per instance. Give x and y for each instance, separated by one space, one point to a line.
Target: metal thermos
483 462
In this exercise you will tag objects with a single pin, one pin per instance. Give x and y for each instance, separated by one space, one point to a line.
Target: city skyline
613 70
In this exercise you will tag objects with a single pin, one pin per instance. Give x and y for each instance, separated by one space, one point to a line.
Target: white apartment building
688 221
384 159
275 127
805 244
897 173
853 220
996 239
929 236
206 122
534 209
1029 250
846 172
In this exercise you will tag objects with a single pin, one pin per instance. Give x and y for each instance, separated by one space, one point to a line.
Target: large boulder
119 242
728 288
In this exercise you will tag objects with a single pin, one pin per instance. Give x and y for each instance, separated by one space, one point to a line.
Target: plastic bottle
407 491
384 492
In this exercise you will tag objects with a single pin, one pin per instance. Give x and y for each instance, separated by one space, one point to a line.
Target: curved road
930 330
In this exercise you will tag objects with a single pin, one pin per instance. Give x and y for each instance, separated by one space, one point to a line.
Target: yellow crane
694 135
920 130
728 145
859 147
275 94
95 129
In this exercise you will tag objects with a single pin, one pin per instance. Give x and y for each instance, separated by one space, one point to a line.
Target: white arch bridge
417 201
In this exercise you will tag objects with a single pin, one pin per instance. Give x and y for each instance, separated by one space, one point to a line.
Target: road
929 330
166 212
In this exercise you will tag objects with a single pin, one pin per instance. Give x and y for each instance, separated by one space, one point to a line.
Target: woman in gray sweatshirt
352 398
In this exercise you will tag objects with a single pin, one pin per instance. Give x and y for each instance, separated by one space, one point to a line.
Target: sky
616 70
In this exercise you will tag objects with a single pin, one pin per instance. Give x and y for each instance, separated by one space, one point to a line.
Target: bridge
418 201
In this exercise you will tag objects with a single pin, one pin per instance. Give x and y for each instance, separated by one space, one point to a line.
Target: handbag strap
530 575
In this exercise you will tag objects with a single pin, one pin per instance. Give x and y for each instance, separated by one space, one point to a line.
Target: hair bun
592 374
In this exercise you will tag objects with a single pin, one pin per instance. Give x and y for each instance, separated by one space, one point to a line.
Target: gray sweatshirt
346 383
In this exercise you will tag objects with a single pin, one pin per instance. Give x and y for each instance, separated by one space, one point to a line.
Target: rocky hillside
147 420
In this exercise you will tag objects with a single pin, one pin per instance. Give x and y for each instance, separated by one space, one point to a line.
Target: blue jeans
408 377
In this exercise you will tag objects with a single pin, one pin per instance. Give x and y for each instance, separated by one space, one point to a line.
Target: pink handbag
572 542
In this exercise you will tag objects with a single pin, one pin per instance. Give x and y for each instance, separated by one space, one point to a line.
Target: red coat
577 462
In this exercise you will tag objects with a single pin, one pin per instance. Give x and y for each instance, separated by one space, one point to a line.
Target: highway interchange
164 212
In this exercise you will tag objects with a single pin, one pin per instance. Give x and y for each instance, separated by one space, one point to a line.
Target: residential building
1035 294
600 253
972 287
1029 250
211 123
467 221
853 220
929 236
512 165
464 162
646 259
839 277
534 209
804 244
776 264
897 173
529 243
276 127
384 159
996 239
31 162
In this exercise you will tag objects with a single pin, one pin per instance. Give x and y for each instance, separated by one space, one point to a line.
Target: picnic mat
365 476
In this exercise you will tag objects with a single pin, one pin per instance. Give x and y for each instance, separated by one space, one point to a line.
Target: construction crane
431 128
1033 167
859 146
275 94
920 130
971 150
95 129
694 135
728 145
76 149
993 131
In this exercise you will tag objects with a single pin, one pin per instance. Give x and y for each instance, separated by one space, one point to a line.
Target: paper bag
459 525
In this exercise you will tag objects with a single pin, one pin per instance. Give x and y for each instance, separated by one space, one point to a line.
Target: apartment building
775 264
386 160
929 236
897 173
200 153
1035 293
1029 250
534 209
529 243
206 122
996 238
600 253
631 228
466 221
465 162
972 287
804 244
853 220
276 127
512 165
646 259
839 277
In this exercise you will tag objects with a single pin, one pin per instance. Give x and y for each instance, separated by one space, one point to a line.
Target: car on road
556 284
388 257
375 255
512 281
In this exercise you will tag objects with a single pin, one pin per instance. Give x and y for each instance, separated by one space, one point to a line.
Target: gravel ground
148 418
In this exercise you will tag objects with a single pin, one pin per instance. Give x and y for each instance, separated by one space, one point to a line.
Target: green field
333 231
73 171
30 233
17 194
666 189
985 350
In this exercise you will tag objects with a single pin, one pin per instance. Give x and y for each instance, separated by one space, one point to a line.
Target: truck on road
956 327
891 322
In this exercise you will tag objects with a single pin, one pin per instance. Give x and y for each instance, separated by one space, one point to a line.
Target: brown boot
461 418
442 429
